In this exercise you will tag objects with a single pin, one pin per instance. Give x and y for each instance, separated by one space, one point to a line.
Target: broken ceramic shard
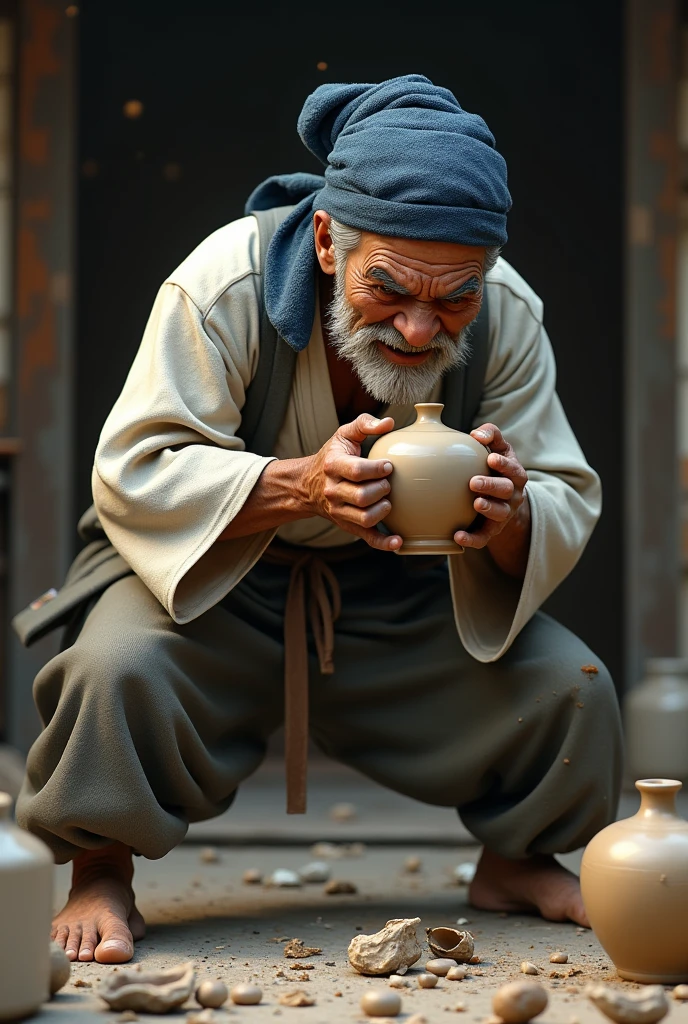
451 943
427 980
285 879
245 994
148 991
212 994
316 871
380 1002
519 1001
393 947
645 1007
440 967
295 950
60 968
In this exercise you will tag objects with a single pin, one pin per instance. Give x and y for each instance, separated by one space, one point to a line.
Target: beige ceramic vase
430 496
26 892
634 882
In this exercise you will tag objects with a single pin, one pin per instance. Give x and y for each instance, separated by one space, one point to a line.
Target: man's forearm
278 497
511 547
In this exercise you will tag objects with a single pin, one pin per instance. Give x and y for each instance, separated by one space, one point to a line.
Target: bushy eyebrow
469 287
381 275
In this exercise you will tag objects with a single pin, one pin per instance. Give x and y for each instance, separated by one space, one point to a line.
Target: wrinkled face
401 311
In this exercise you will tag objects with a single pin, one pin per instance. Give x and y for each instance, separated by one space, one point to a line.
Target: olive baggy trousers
149 725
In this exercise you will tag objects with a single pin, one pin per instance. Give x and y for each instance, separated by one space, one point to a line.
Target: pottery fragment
559 958
316 871
380 1002
60 968
451 943
645 1007
427 980
528 968
519 1001
440 967
394 947
245 994
296 998
148 991
212 994
457 973
295 950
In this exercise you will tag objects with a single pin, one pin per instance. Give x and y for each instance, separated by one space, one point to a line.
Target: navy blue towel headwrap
401 158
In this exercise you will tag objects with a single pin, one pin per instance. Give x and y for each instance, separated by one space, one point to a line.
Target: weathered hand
502 499
349 490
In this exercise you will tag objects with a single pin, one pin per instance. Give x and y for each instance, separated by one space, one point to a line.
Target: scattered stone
316 871
252 876
212 994
680 992
519 1001
451 943
209 855
528 968
148 991
283 878
559 958
330 851
465 873
440 967
394 948
245 994
60 968
645 1007
295 950
381 1002
412 865
427 980
302 967
343 812
474 960
303 976
398 981
339 887
463 920
80 983
296 998
457 973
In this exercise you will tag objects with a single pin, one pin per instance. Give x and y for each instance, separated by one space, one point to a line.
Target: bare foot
538 884
100 920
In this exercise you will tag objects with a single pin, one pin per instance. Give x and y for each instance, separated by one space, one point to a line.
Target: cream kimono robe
170 472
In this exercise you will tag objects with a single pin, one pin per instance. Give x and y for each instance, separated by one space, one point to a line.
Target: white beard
389 382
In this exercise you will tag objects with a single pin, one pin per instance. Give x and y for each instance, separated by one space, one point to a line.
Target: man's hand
503 503
349 490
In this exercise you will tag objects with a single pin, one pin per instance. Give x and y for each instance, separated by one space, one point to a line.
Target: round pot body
656 721
634 882
430 496
26 892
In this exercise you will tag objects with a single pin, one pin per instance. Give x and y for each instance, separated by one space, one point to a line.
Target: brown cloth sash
309 570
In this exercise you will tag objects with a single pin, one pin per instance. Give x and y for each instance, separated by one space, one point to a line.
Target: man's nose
419 325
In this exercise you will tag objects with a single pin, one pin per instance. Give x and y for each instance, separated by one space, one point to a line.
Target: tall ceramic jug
656 721
26 892
430 496
634 882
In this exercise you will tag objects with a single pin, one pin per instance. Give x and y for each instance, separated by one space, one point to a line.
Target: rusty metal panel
42 521
650 445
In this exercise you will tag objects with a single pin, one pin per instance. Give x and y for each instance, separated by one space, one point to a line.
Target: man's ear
324 248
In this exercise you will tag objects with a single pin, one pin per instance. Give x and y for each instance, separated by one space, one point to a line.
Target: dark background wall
222 84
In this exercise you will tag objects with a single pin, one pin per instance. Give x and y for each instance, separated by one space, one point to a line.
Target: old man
239 573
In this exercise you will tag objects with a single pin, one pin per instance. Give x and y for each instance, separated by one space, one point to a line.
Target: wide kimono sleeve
491 608
170 473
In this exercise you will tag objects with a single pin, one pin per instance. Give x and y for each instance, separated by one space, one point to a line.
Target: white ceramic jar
26 893
656 721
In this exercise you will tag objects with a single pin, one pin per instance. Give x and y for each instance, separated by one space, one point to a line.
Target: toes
117 944
60 934
73 942
89 941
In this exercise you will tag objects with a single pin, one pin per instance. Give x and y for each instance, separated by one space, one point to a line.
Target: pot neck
658 798
429 412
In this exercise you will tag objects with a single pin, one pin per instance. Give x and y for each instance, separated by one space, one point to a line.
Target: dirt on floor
237 932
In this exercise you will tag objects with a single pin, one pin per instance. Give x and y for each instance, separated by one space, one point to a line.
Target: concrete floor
203 912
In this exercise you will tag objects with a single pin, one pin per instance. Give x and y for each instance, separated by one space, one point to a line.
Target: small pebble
463 920
465 873
456 973
427 980
212 994
680 992
285 879
559 958
440 967
338 887
316 871
209 855
252 876
412 865
528 968
330 851
343 812
398 981
381 1002
246 995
